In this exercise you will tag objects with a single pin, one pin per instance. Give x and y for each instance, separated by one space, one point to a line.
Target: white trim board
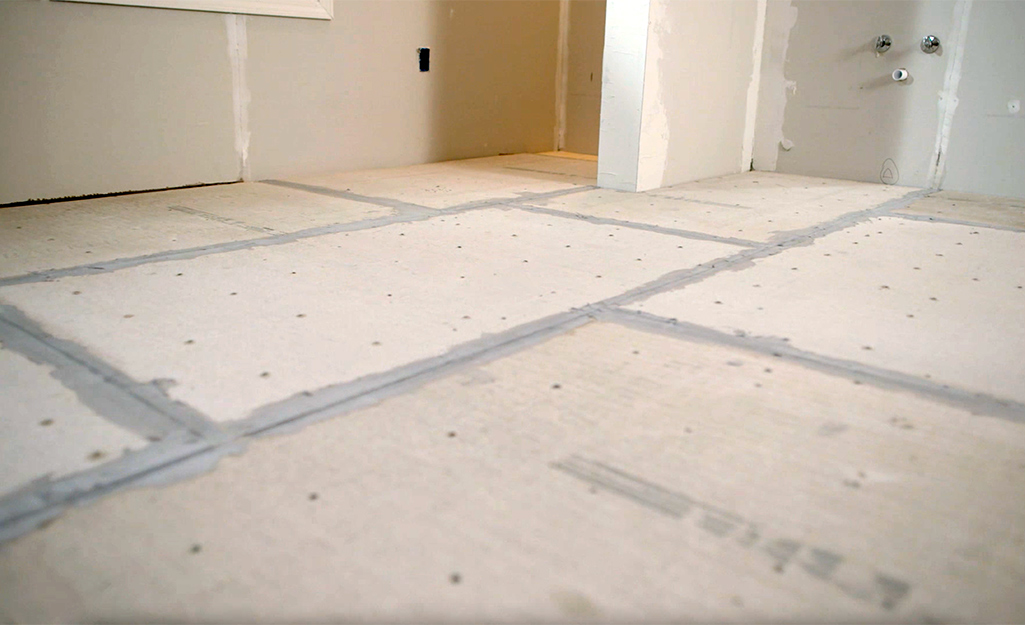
310 9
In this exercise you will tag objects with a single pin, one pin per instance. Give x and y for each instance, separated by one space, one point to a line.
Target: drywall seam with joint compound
238 53
780 19
947 102
562 75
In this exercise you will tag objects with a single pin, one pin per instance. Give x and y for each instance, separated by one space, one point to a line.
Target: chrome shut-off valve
883 43
930 44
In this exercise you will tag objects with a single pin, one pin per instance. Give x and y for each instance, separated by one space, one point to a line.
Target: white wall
844 115
829 107
986 152
622 93
100 99
698 68
677 89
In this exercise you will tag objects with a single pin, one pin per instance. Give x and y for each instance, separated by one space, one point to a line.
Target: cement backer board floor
760 208
981 209
65 234
444 185
238 330
938 301
772 493
527 478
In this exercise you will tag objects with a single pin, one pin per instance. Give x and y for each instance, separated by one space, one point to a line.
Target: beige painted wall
347 94
583 96
99 99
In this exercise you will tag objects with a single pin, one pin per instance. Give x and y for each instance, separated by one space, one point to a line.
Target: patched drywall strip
562 75
780 18
947 102
238 53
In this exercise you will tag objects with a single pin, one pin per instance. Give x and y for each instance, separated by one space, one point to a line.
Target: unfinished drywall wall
986 149
622 93
583 97
348 94
845 116
675 91
697 71
100 99
97 99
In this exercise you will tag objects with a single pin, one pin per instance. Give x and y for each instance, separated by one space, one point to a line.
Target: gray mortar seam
177 457
306 407
139 407
956 222
182 455
408 214
633 225
195 212
973 402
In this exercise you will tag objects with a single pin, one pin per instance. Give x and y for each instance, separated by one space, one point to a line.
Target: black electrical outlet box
424 54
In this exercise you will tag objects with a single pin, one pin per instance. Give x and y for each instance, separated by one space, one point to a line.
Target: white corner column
622 93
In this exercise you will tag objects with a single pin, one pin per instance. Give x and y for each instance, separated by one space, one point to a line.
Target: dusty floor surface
487 391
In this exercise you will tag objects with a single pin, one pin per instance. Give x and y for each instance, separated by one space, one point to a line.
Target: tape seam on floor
608 221
195 212
139 407
956 222
974 402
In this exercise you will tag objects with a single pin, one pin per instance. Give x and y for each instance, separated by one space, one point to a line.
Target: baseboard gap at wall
94 196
